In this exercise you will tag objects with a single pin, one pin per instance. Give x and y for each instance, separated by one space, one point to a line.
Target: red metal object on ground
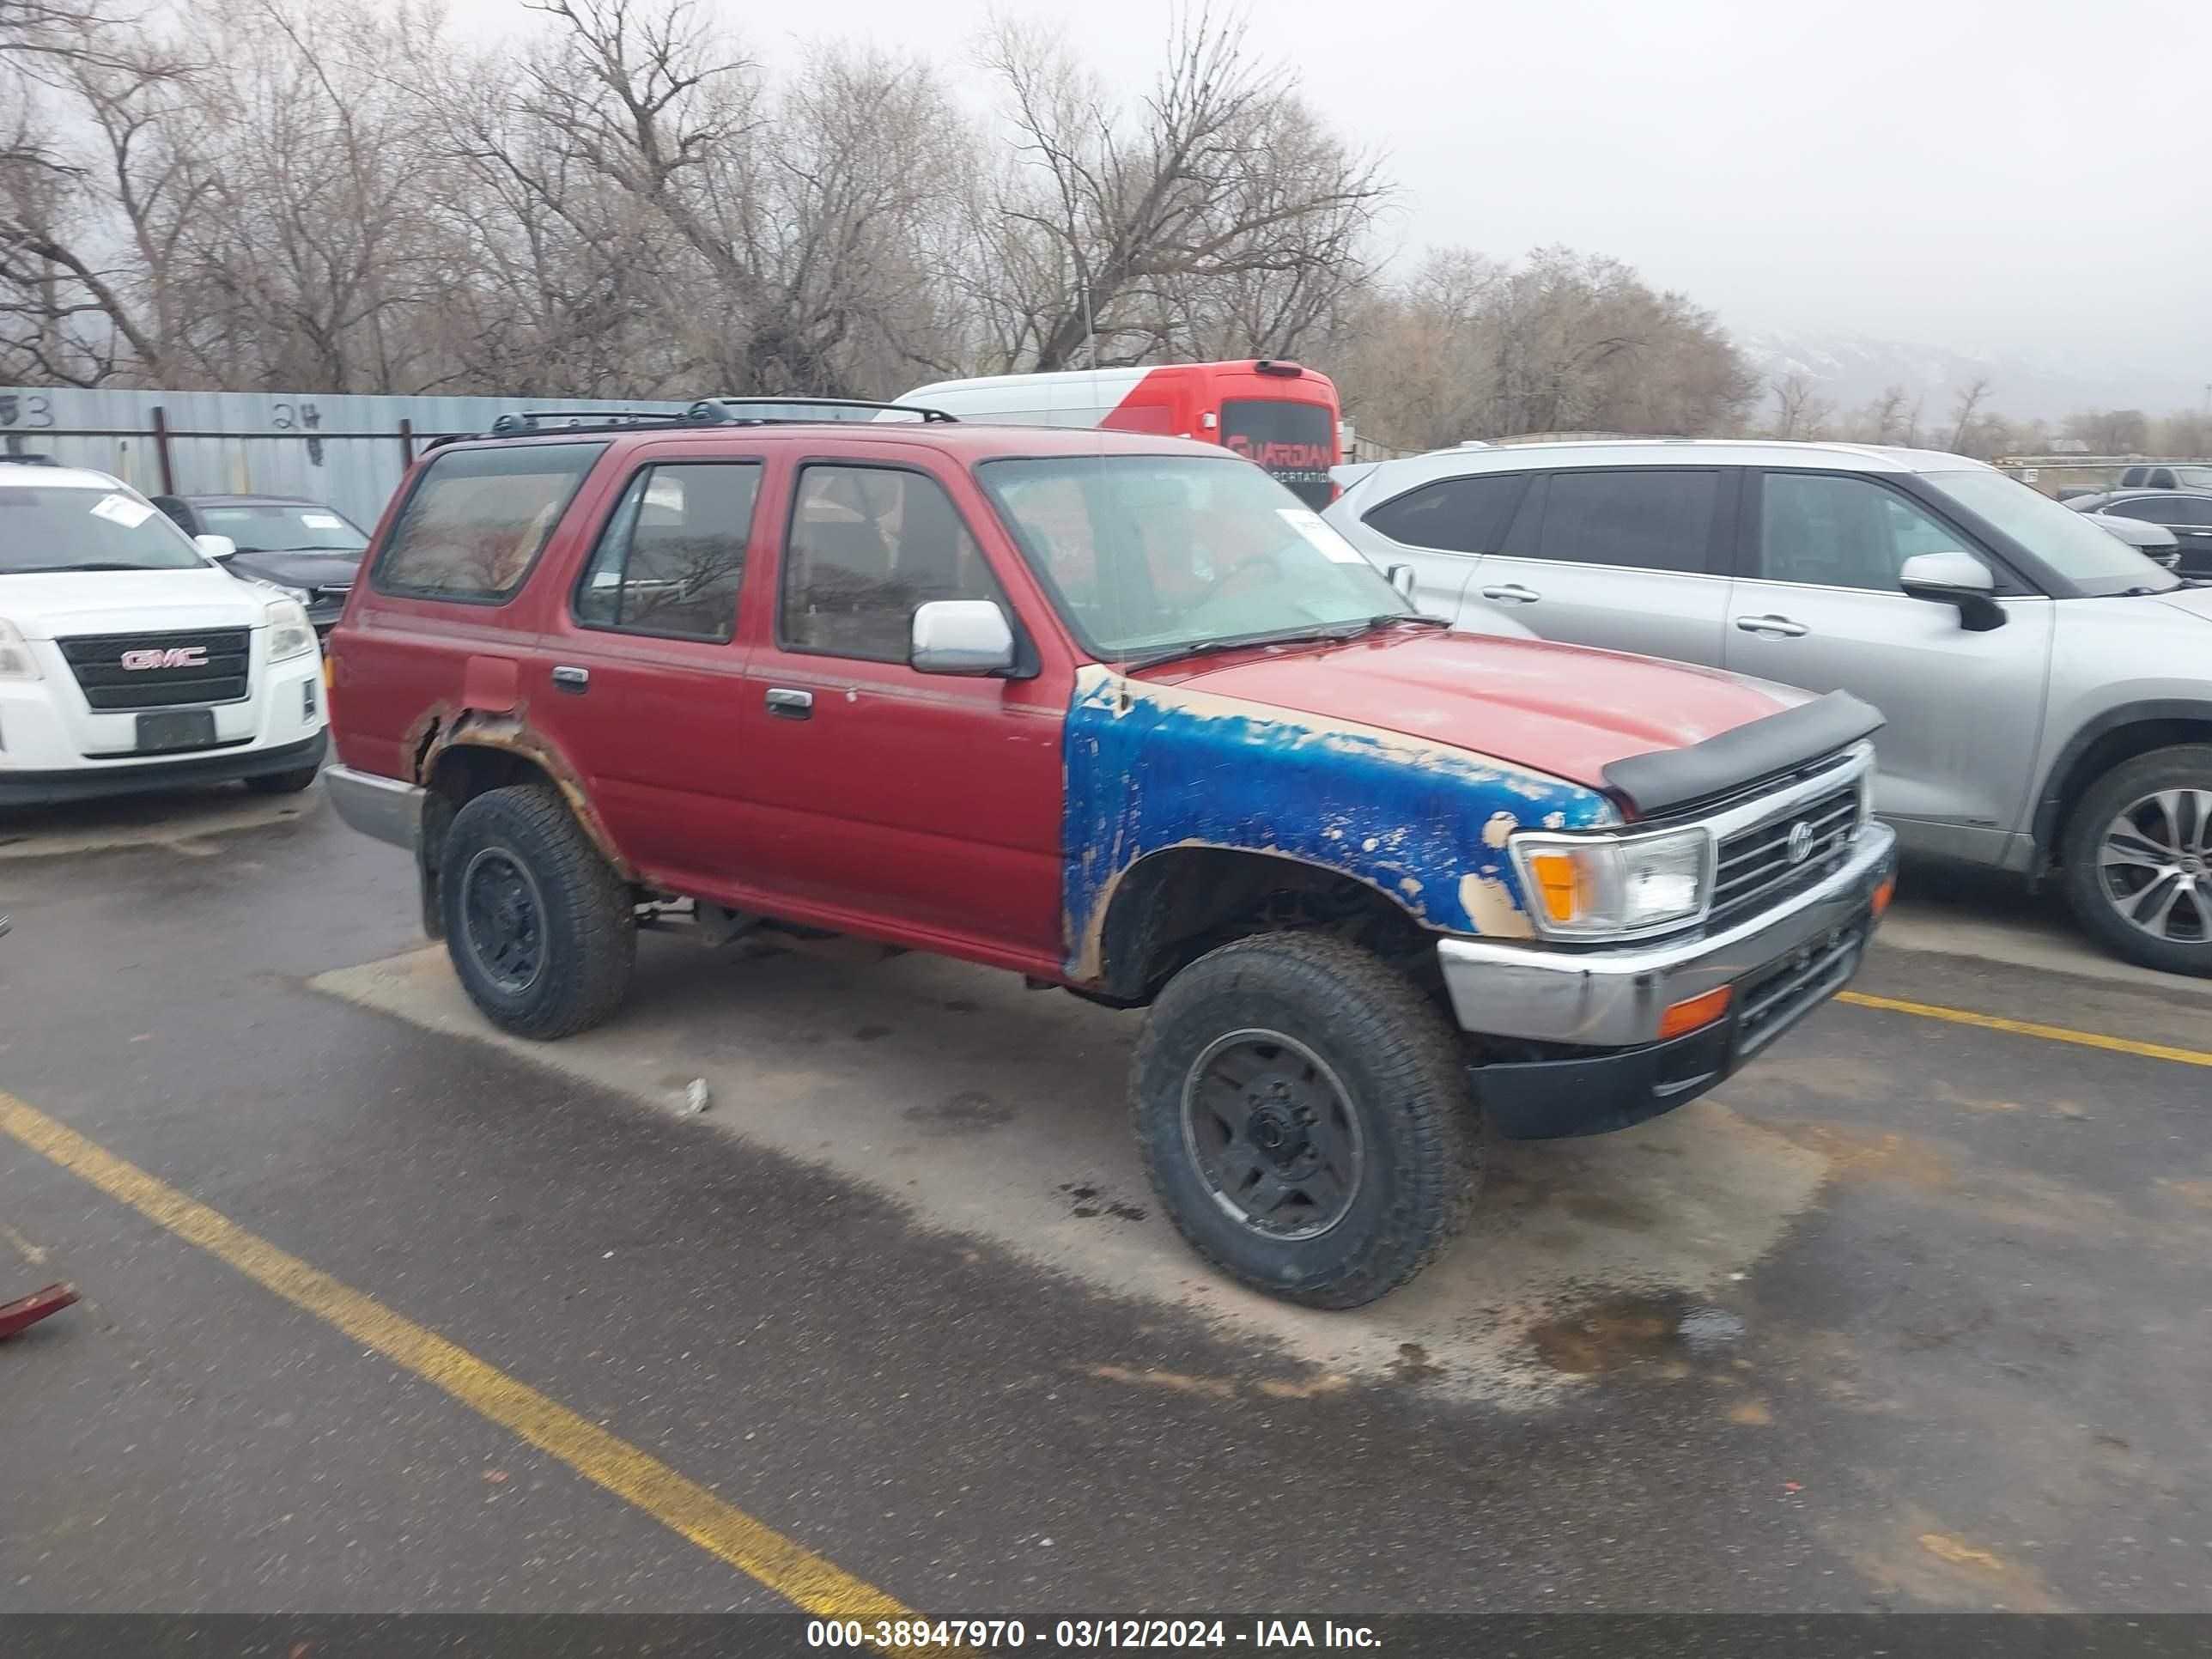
19 1316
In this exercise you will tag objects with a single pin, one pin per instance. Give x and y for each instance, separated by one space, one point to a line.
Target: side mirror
961 636
1402 578
1957 579
215 547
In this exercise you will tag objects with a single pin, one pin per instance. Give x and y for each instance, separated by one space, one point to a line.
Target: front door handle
1513 593
789 704
573 680
1781 626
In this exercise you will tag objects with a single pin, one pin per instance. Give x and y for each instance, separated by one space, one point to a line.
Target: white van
130 659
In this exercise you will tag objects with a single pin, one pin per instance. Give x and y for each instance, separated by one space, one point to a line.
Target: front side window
1654 521
479 518
46 527
1294 442
1843 532
2164 509
1454 515
867 546
1147 554
672 557
2092 559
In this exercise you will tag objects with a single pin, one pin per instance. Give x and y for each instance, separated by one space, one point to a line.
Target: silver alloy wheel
2154 864
1272 1134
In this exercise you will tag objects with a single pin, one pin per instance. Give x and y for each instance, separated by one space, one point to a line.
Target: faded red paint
1562 710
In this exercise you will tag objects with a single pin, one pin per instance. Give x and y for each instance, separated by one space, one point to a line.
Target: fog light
1695 1013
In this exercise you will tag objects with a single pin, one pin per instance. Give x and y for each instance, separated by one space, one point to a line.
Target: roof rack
26 459
706 411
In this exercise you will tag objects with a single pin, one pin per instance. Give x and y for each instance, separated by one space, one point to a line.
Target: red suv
1120 713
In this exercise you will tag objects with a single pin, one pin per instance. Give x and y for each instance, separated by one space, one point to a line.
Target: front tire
540 928
1304 1118
2138 859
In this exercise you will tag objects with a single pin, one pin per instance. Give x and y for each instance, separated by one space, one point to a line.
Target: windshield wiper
1331 633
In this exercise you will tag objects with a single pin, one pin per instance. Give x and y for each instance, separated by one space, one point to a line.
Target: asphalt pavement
381 1312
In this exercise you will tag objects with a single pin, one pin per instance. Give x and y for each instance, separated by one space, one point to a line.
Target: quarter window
1842 532
672 557
1455 515
479 518
867 546
1654 521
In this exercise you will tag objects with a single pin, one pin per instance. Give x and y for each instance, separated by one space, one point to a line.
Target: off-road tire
2184 766
1398 1061
283 783
589 930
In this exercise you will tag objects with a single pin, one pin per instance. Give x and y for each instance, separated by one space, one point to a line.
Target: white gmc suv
130 659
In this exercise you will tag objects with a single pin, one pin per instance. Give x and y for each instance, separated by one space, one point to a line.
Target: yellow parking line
683 1506
2028 1028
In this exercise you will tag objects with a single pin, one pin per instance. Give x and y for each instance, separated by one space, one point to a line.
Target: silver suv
2048 689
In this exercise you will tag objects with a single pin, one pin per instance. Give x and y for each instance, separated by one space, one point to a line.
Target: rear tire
283 783
539 928
1304 1118
2138 859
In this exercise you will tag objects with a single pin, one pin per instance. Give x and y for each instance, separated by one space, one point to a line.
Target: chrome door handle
575 681
790 705
1513 591
1781 625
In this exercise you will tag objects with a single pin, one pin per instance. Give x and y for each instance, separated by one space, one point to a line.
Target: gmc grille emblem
174 656
1801 842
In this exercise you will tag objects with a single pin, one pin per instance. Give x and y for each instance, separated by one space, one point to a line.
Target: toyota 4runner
1119 714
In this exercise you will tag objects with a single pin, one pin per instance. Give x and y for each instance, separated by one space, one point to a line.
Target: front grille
97 661
1771 1005
1755 867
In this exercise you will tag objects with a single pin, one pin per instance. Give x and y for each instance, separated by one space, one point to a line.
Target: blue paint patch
1147 770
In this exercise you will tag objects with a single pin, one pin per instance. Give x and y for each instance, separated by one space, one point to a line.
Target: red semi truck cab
1279 415
1120 713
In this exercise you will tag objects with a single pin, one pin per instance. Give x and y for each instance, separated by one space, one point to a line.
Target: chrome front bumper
379 806
1614 998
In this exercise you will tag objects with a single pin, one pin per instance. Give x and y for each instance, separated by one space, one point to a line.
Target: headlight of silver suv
290 633
1600 886
16 662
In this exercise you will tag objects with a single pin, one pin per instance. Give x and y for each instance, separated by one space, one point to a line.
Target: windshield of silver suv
46 527
1153 555
2093 559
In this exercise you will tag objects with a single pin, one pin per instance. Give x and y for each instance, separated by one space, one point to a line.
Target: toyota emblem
1801 842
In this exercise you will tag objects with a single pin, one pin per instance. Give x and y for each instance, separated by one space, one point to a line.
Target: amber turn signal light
1558 883
1883 893
1695 1013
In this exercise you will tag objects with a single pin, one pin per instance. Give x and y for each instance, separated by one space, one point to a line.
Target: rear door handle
1780 625
1514 593
575 681
790 705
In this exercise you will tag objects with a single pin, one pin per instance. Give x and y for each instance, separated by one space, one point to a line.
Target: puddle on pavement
1620 1331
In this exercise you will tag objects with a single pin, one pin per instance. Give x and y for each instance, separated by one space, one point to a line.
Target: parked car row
2048 689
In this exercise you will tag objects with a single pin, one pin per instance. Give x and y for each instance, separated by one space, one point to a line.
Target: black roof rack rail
25 459
726 411
583 419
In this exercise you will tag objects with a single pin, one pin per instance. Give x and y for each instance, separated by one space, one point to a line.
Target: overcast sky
1980 176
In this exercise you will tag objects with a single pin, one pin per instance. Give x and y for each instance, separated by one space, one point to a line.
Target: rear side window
478 520
1455 515
672 557
868 544
1655 521
2165 509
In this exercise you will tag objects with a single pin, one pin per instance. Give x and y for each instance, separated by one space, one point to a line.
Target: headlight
1594 886
290 633
16 662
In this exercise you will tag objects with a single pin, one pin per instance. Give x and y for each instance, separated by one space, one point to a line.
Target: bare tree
1112 218
1963 409
1800 413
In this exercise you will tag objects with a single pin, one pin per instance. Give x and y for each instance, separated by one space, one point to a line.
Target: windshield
2076 549
49 527
300 527
1292 440
1147 554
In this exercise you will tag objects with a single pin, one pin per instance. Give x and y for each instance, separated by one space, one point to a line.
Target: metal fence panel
348 451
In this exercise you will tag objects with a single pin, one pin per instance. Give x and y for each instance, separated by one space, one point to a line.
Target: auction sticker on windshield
122 510
1310 524
322 521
